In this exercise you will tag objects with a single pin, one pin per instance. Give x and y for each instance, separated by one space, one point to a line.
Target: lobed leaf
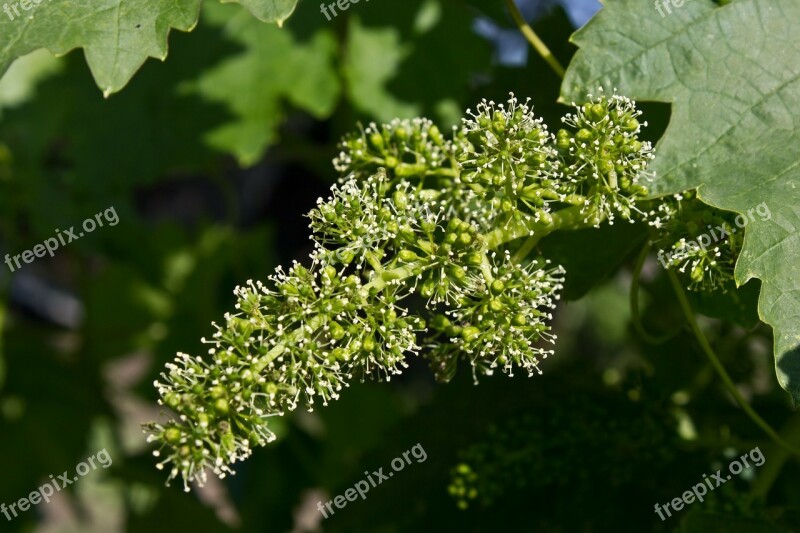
733 77
116 36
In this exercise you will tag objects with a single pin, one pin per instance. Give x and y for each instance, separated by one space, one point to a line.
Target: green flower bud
337 331
328 212
436 136
632 147
474 259
345 256
407 233
221 406
377 141
407 256
400 199
428 225
385 214
697 274
217 392
440 322
172 400
428 288
584 135
228 442
369 344
597 112
631 125
497 287
499 123
457 273
172 435
470 333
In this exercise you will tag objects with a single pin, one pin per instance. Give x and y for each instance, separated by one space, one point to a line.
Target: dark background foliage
211 160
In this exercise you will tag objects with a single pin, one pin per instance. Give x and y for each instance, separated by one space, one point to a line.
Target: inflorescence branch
415 216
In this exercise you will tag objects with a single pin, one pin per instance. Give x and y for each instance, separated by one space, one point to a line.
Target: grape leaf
274 64
117 36
591 255
70 154
733 77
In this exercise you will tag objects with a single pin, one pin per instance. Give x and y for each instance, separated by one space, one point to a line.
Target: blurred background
211 161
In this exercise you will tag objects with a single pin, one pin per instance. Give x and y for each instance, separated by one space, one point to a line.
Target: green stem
570 218
634 302
717 364
525 249
777 458
486 270
374 262
534 39
279 348
380 279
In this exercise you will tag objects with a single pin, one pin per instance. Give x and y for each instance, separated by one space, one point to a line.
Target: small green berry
497 286
470 333
221 406
407 256
172 435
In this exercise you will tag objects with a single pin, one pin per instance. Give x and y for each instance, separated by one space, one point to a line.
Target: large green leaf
733 77
117 36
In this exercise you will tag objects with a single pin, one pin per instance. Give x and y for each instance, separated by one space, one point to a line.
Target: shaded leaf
273 66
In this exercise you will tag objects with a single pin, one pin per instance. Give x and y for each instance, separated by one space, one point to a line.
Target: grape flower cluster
444 224
680 221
